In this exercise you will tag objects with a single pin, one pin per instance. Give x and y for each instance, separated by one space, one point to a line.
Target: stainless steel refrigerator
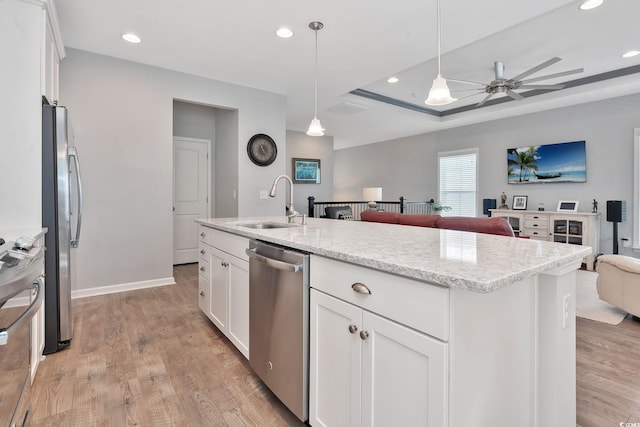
62 215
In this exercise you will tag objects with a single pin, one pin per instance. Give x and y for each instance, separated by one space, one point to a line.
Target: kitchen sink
266 225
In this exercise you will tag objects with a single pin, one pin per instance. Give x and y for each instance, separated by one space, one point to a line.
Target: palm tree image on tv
525 160
564 162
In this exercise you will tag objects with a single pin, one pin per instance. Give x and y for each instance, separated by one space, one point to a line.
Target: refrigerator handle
74 155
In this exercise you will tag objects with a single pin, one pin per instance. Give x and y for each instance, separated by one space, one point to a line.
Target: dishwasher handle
280 265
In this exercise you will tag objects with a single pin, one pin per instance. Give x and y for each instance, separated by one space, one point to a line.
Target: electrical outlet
264 195
626 243
235 194
565 310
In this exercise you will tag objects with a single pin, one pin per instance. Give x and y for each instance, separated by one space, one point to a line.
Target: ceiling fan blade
546 87
466 82
551 76
515 95
485 99
537 68
468 96
479 90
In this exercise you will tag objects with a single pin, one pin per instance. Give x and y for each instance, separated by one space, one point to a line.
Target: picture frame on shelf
567 206
520 203
305 171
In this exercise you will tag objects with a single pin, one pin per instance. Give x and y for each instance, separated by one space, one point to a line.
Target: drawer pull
202 252
535 225
201 293
364 335
202 268
361 288
202 234
353 329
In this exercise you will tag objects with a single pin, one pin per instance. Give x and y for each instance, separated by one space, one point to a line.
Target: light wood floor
151 358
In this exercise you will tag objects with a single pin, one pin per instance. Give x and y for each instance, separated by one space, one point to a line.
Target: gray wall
301 145
226 159
123 114
408 166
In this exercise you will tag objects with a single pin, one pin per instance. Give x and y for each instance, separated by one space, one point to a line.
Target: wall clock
262 149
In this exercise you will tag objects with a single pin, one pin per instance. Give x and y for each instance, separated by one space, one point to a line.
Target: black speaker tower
615 214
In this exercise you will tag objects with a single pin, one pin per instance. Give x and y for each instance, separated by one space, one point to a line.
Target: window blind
458 182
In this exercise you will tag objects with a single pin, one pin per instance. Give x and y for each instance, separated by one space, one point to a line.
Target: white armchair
618 282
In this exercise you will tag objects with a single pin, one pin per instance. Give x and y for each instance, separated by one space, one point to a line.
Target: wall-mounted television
563 162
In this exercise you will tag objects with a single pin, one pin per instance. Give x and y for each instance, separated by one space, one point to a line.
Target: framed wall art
305 171
520 202
567 206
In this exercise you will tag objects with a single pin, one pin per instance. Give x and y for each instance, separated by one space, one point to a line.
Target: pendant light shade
315 128
439 93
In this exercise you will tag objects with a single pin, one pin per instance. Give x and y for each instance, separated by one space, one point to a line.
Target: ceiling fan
509 86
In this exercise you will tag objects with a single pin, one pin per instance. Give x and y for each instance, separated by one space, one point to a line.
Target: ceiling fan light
439 93
590 4
315 128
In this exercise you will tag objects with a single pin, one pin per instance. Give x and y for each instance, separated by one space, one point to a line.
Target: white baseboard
102 290
124 287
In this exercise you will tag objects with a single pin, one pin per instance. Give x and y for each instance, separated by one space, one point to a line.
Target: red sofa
498 225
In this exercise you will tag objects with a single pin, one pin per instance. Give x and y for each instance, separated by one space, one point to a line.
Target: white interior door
191 172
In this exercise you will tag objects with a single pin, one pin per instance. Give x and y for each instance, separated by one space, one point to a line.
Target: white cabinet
574 228
24 26
371 371
368 370
51 53
224 284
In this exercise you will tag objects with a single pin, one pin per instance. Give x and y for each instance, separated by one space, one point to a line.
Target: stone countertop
476 262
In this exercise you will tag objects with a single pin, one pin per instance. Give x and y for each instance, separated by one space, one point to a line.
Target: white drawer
533 224
227 242
203 269
535 217
202 233
203 252
419 305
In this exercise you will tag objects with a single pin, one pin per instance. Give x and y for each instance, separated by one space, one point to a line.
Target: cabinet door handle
353 328
364 335
202 234
201 293
202 251
202 268
361 288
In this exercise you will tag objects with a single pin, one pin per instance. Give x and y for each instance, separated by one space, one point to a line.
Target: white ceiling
362 44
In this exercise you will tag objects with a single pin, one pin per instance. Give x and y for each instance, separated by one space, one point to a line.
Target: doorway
191 178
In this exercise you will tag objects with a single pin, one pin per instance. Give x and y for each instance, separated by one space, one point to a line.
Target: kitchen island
459 328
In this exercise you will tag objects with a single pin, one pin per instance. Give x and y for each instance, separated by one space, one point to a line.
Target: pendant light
439 93
315 128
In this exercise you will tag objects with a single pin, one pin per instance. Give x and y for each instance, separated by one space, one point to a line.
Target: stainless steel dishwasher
279 322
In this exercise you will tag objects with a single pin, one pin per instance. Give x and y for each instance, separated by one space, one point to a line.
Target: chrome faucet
292 211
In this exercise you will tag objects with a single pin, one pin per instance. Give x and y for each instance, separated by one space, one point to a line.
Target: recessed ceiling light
131 37
631 54
393 79
284 32
590 4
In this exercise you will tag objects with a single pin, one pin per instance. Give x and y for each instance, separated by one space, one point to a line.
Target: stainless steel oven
20 276
279 322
